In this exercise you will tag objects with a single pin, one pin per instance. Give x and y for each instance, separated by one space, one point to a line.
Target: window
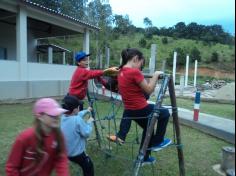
3 53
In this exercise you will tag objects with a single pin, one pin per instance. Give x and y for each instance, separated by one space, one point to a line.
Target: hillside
225 63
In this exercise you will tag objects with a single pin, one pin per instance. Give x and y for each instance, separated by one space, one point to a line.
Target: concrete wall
9 71
43 80
8 39
15 90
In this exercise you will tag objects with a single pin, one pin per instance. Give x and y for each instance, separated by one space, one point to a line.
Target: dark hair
128 54
40 143
70 103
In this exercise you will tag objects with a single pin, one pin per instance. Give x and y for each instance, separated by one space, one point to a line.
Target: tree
122 24
180 57
142 43
214 57
195 54
147 22
164 40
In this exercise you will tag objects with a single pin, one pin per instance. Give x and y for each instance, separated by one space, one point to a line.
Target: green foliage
147 22
164 40
142 43
214 57
195 54
180 57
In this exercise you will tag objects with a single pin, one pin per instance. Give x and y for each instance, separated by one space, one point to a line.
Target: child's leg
85 163
125 125
161 126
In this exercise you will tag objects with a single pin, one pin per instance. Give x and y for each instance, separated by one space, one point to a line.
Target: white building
22 75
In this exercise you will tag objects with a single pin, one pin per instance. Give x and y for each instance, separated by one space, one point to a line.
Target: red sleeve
101 80
61 163
138 76
90 74
13 164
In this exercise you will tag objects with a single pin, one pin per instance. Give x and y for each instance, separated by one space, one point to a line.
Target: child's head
132 55
47 111
82 59
71 104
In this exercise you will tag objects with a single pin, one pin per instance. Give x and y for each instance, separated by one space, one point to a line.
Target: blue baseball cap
81 55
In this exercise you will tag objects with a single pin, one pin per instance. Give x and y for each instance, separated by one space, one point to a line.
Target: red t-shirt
129 89
22 158
79 82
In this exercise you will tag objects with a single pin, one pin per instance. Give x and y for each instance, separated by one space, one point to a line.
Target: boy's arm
84 128
103 81
90 74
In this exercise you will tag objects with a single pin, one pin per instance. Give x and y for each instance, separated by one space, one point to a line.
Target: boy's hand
112 71
90 109
90 120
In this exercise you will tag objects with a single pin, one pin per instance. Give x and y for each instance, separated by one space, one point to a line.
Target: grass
201 151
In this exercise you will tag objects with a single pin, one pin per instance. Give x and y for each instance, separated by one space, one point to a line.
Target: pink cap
48 106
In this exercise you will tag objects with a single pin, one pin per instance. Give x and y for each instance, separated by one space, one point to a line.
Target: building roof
48 10
44 48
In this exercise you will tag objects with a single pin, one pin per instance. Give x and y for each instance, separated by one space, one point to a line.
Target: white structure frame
21 76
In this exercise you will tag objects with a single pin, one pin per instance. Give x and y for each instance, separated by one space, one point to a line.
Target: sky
166 13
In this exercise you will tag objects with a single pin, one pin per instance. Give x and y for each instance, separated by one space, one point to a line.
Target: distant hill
215 56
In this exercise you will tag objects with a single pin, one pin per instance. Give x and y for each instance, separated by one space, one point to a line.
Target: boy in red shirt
40 149
79 82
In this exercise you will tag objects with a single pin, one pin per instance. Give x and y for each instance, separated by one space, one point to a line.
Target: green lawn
201 151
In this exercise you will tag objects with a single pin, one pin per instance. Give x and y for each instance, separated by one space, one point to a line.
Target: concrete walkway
216 126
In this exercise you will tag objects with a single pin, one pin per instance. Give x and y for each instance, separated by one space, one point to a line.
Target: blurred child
76 131
40 149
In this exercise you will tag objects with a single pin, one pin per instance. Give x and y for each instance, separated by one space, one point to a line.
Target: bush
165 40
195 54
142 43
214 57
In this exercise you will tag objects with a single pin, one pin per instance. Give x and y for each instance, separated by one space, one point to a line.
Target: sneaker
148 161
162 145
114 138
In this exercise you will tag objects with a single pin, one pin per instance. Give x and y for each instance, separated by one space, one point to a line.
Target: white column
152 62
181 85
21 43
195 75
64 57
50 55
174 66
163 66
186 71
107 57
86 42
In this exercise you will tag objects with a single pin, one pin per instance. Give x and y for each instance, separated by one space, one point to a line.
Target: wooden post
167 82
177 127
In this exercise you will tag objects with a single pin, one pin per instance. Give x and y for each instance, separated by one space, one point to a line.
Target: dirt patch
227 92
204 71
